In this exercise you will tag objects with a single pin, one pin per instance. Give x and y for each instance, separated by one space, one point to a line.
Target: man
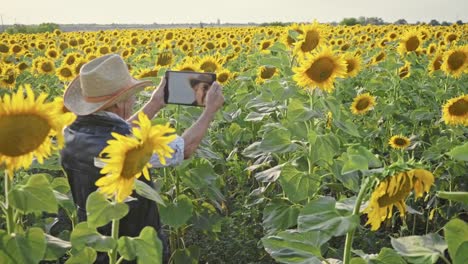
200 85
103 97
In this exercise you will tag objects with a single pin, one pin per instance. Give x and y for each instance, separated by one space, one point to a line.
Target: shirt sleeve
177 156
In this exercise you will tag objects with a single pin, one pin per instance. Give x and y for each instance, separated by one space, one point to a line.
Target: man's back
84 140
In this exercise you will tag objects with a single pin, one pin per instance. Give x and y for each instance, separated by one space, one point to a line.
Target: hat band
97 99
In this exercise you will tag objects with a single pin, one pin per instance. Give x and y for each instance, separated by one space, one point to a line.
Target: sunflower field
336 144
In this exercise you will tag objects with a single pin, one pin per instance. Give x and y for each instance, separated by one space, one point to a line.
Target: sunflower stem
350 234
115 236
9 209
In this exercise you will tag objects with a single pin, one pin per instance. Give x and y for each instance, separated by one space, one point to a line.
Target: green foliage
456 235
178 212
100 211
420 249
34 196
32 29
146 248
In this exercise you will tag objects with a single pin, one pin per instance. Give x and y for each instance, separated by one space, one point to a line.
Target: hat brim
76 102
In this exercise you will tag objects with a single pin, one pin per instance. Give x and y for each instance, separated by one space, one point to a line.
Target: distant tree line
30 29
350 21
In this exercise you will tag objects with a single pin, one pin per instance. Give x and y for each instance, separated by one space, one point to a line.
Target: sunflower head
455 61
393 191
411 41
404 71
362 104
127 157
320 70
353 64
399 142
27 128
455 111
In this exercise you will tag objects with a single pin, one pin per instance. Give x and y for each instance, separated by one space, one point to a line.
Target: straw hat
194 80
101 83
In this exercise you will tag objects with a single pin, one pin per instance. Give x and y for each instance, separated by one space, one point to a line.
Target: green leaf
255 117
83 236
202 179
455 196
56 247
148 192
324 148
147 247
127 247
322 215
461 257
350 180
354 163
421 249
60 184
456 232
85 256
279 215
297 112
298 185
291 246
188 255
101 211
35 196
364 152
388 256
347 126
270 175
460 152
177 213
24 248
278 141
65 202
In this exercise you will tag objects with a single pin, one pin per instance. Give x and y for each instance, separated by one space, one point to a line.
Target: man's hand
157 98
214 98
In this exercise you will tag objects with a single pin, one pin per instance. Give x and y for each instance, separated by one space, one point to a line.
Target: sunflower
410 41
147 73
4 48
264 45
435 63
78 64
65 73
224 76
378 58
209 63
127 157
27 128
265 73
310 39
45 66
353 64
164 59
404 71
187 65
455 111
399 142
362 104
455 61
393 191
320 70
8 76
52 53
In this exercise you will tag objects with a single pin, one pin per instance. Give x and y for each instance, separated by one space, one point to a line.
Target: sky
233 11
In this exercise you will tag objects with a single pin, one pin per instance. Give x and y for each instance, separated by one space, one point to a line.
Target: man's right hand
214 98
